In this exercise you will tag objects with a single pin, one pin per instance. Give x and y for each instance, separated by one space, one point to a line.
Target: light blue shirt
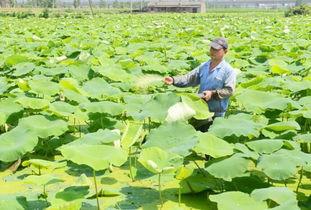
218 78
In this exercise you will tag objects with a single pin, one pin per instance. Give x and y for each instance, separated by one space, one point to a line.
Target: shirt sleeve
229 86
188 80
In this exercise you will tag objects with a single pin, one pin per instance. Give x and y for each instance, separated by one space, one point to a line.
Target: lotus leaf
229 168
158 161
260 101
238 125
15 143
211 145
237 201
281 195
44 127
33 103
177 137
131 134
107 107
97 157
265 145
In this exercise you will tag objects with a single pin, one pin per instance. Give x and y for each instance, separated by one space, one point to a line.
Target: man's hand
168 80
207 95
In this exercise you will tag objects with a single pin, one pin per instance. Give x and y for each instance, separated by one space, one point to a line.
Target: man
216 80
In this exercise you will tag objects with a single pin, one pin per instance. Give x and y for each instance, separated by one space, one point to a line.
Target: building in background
156 5
268 4
193 6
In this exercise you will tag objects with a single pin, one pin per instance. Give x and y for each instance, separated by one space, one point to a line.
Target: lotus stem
149 124
200 169
101 121
160 192
135 159
96 189
300 178
179 194
130 161
74 125
45 195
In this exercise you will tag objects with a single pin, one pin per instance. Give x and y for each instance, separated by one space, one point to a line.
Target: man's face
217 54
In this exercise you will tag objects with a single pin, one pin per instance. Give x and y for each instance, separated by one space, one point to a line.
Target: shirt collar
219 66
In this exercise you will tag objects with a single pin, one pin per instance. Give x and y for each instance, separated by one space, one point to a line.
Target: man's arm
188 80
229 87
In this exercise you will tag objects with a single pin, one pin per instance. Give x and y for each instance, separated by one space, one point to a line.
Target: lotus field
86 121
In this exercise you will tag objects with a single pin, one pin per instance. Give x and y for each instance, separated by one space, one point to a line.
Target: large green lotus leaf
131 134
53 71
237 201
184 172
178 64
245 152
179 112
8 107
198 182
229 168
15 143
198 105
97 138
281 195
108 107
279 67
79 71
254 81
33 103
297 156
238 125
68 205
135 105
74 96
72 193
3 85
80 116
270 83
15 59
45 179
144 81
211 145
157 107
157 160
44 127
283 126
265 145
303 138
96 156
307 114
305 101
280 165
260 101
296 86
98 87
71 84
23 68
177 137
39 163
61 108
44 86
114 72
13 202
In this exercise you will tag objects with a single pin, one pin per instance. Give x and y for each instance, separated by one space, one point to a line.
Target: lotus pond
86 122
